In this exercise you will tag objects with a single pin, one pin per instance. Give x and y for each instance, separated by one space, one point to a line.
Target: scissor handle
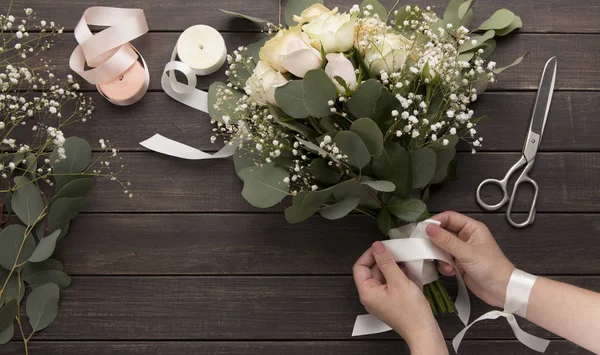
530 218
502 185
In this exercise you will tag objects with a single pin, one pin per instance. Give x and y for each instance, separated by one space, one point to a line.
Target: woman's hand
484 267
387 293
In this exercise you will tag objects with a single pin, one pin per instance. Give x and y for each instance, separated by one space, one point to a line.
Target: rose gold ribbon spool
115 66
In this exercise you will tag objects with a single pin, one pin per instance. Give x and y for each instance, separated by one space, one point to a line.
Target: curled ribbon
187 94
416 252
518 291
109 54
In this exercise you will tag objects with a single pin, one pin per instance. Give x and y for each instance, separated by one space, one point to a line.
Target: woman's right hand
482 264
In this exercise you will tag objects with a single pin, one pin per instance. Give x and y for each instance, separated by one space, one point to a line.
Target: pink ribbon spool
115 66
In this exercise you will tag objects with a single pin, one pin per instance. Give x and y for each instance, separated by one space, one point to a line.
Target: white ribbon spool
202 51
113 61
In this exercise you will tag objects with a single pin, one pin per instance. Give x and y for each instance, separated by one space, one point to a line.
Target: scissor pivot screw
533 140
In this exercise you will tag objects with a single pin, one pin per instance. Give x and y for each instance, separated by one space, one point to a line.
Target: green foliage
26 200
57 277
409 210
465 13
318 91
384 221
254 49
14 288
340 209
290 98
295 7
8 312
423 167
251 18
45 248
499 20
297 212
264 186
394 165
370 134
381 185
6 335
377 9
42 306
323 172
371 99
79 155
13 242
298 126
353 146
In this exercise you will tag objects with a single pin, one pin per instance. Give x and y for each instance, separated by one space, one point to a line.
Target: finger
377 274
457 223
449 242
386 263
446 269
362 267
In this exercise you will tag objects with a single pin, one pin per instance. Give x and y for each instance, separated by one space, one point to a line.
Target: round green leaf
26 201
243 159
79 155
516 23
254 49
377 9
74 188
353 188
290 98
8 312
409 210
323 172
11 239
468 45
370 134
318 91
264 186
295 7
381 185
42 306
45 248
65 209
351 145
443 159
6 335
297 212
288 122
13 289
394 165
423 167
371 99
237 14
465 13
499 20
451 13
33 268
340 209
40 278
384 221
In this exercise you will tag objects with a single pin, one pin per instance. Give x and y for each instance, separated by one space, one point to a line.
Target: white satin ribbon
108 53
415 251
518 291
188 95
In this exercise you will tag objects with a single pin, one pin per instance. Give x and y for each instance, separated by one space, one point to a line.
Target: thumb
449 242
384 259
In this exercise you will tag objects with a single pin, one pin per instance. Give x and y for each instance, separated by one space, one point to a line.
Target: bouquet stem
438 298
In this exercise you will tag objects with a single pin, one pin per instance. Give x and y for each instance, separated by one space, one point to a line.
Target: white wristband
518 292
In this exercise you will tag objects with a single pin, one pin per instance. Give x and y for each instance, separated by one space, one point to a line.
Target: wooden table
188 267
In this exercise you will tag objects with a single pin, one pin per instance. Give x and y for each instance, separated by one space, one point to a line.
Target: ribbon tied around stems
114 64
410 244
518 291
195 38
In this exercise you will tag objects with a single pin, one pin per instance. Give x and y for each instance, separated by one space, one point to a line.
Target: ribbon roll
518 291
416 252
116 67
202 51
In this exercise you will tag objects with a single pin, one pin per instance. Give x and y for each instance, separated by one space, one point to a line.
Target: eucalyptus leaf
30 163
251 18
381 185
423 167
264 186
465 13
78 156
370 134
14 288
8 312
323 172
466 56
11 241
340 209
443 159
409 210
40 229
63 180
26 201
288 122
354 188
75 188
499 20
451 13
8 202
297 212
311 146
45 248
7 335
295 7
452 142
42 306
254 49
65 209
377 9
57 277
222 101
516 23
488 48
479 41
318 91
516 62
384 221
373 100
30 269
243 159
290 98
353 146
394 165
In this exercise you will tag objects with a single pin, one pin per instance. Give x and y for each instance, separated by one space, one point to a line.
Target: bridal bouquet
358 110
45 175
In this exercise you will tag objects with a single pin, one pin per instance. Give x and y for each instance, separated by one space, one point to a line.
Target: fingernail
448 268
378 247
433 231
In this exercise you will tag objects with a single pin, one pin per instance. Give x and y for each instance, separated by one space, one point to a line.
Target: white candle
202 48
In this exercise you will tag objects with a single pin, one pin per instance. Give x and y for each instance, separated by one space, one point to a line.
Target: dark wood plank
573 123
355 347
578 58
568 183
537 15
235 308
265 244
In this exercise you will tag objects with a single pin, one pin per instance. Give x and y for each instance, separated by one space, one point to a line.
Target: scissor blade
544 98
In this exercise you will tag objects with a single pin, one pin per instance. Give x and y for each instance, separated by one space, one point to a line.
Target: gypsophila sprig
358 110
44 174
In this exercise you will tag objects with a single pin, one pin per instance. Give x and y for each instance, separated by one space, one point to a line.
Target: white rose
333 31
312 12
290 51
339 65
263 82
388 53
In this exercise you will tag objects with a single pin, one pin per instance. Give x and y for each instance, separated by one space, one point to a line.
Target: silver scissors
530 148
